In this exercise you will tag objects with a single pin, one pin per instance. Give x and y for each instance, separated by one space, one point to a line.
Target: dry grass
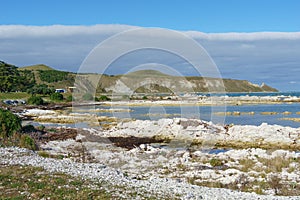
269 169
275 164
246 165
20 182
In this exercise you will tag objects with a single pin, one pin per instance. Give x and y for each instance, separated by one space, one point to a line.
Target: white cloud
11 31
245 36
271 57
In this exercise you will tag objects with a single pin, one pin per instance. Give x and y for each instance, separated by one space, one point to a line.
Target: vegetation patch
51 76
41 89
291 119
9 123
56 96
103 98
12 80
269 113
35 100
26 182
236 144
14 95
214 162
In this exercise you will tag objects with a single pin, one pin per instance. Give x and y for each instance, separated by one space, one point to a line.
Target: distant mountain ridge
143 81
146 73
146 81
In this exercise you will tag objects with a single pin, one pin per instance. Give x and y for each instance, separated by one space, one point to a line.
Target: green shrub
42 89
27 142
69 98
35 100
56 96
104 98
214 162
12 80
9 123
51 76
44 154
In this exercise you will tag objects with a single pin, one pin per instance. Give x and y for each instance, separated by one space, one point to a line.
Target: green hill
13 78
49 76
151 81
38 67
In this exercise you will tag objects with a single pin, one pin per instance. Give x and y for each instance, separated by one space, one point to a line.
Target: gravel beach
162 188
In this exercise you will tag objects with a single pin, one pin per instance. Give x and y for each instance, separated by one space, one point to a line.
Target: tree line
13 80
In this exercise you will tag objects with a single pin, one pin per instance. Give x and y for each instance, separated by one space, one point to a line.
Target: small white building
60 90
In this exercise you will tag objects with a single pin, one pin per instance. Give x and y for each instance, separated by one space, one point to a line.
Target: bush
52 76
214 162
35 100
104 98
42 89
56 96
70 98
9 123
12 80
27 142
44 154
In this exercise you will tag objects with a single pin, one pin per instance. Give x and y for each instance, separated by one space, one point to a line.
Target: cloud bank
271 57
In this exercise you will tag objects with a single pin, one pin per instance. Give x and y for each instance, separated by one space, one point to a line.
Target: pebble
162 188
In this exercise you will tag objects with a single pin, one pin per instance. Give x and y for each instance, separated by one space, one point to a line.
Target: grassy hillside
39 67
146 73
53 78
13 80
151 81
144 81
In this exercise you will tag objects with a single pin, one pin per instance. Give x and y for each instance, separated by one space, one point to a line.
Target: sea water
207 113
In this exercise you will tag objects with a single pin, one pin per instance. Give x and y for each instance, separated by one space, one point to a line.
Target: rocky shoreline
163 188
178 158
189 153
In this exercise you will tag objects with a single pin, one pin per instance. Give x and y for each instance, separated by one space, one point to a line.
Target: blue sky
199 15
255 40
